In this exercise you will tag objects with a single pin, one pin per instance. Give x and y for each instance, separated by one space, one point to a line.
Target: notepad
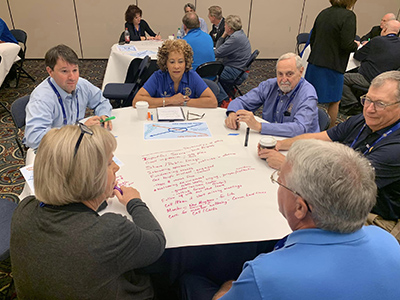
171 113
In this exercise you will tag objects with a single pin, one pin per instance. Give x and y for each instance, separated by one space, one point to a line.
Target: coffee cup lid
268 141
142 104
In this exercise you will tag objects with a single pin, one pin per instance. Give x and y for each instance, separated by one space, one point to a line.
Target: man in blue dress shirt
201 42
289 102
62 98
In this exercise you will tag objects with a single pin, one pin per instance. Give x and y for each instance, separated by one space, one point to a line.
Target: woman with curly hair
175 84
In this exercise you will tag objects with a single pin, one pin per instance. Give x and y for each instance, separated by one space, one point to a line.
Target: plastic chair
18 115
211 69
21 37
238 80
323 119
125 92
301 39
6 211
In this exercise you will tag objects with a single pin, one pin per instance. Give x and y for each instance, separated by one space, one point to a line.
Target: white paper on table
125 48
172 113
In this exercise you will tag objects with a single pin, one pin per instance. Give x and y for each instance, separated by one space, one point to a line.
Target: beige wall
272 26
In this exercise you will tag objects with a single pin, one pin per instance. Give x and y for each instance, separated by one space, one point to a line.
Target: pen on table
247 136
107 119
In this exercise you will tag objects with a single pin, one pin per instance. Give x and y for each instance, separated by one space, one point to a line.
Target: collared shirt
289 115
319 264
44 111
161 85
202 45
385 158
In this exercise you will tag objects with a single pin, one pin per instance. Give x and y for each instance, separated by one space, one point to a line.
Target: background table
9 55
250 212
119 61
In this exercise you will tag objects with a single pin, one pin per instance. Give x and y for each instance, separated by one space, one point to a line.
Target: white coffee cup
142 108
267 142
171 37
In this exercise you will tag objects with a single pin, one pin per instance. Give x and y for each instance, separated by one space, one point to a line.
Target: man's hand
231 121
274 159
108 124
96 121
128 194
249 119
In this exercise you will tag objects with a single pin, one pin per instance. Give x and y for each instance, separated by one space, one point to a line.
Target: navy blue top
160 85
5 34
385 157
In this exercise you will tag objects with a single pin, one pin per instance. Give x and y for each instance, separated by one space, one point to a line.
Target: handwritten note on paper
199 179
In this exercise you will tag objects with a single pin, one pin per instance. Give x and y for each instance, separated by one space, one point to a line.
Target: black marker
247 136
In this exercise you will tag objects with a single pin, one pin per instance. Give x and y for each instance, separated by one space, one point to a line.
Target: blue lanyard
278 98
61 102
369 148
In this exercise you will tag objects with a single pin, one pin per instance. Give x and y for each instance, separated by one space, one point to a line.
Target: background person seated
234 50
379 55
137 27
62 98
200 41
289 102
60 247
375 134
190 8
325 193
217 21
376 30
175 84
5 34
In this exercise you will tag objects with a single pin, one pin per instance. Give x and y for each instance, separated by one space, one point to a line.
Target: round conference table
9 55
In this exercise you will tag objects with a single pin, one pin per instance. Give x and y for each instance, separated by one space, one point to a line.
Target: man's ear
301 208
301 71
49 70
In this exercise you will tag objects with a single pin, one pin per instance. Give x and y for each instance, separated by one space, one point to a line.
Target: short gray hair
189 5
191 20
59 177
234 22
336 181
289 55
388 76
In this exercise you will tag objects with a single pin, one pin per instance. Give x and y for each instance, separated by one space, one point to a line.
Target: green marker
107 119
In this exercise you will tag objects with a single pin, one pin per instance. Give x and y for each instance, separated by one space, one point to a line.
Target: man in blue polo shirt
376 134
201 42
325 193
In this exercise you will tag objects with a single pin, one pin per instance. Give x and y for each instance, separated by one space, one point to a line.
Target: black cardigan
134 35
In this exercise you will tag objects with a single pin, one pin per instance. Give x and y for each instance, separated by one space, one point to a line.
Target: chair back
213 86
323 119
21 37
6 211
18 111
122 37
301 39
252 58
211 69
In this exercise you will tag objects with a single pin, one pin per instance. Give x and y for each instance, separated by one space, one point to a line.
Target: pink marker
118 189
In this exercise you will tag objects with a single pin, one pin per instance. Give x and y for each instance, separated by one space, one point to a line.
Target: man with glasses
375 134
62 98
326 191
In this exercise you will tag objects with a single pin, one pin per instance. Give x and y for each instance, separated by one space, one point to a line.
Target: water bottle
179 34
127 36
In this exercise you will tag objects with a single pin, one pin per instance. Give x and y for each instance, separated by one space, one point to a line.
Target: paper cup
142 108
170 37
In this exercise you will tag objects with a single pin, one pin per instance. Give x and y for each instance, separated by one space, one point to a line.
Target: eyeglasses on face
274 175
84 129
379 105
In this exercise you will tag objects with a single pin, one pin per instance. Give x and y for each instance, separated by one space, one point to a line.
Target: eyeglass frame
84 129
199 117
364 98
273 180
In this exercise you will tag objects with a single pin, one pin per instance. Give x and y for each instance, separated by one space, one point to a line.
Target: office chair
125 92
6 211
18 115
301 39
210 70
323 119
212 85
21 37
